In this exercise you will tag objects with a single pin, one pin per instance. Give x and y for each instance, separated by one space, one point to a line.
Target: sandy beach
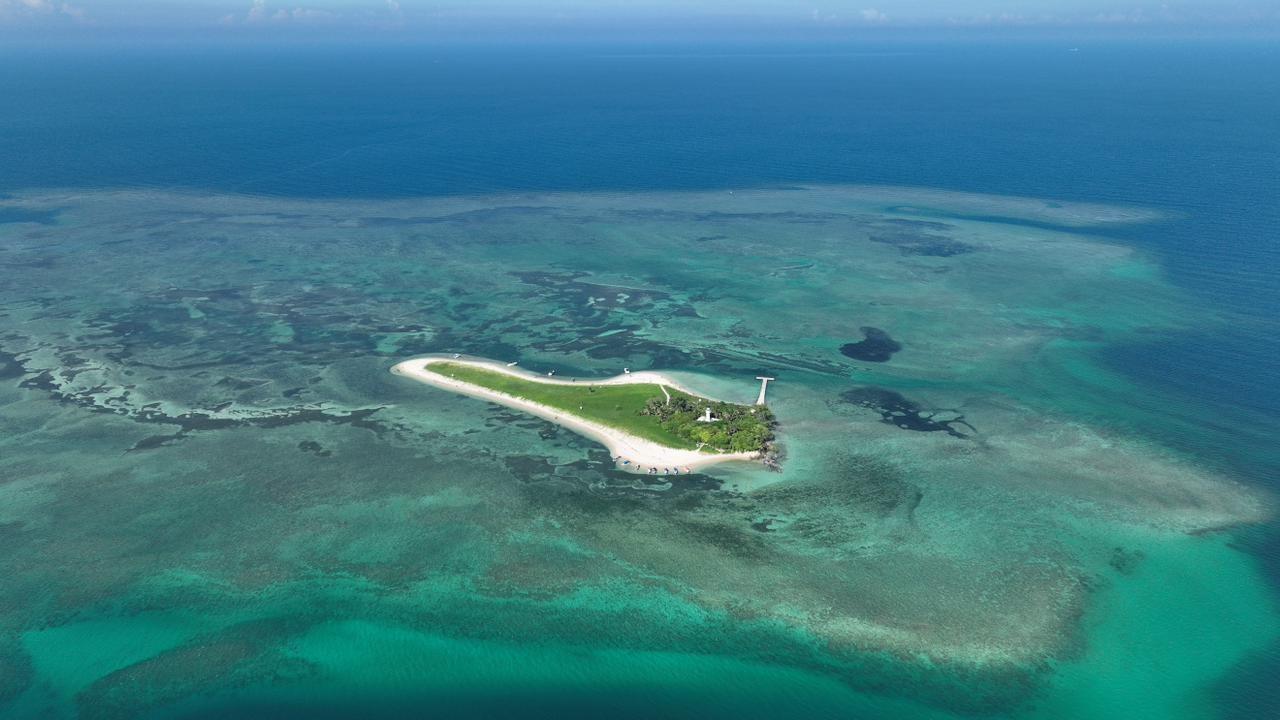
640 452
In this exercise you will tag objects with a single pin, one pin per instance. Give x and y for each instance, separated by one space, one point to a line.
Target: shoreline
641 453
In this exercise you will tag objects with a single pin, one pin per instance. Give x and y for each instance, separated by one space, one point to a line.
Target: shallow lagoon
220 500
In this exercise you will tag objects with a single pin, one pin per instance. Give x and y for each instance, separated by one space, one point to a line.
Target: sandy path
642 453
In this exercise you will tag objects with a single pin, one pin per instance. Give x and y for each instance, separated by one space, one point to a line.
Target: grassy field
617 406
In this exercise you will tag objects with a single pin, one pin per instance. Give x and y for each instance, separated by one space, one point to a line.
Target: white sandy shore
642 453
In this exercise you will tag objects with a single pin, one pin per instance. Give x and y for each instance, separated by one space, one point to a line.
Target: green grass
617 406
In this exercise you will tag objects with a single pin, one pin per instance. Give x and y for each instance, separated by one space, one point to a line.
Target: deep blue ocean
1188 128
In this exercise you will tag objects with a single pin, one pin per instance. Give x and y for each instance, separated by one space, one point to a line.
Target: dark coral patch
156 441
313 447
876 346
924 244
1125 561
903 413
10 367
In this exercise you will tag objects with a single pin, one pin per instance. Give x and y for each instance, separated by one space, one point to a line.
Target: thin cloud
873 16
693 17
40 11
260 14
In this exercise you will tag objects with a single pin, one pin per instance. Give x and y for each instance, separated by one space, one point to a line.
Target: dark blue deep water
1189 128
1192 129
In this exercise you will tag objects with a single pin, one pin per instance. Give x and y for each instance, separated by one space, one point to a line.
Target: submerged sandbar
649 422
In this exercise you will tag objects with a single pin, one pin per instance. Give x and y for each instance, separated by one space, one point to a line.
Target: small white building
707 417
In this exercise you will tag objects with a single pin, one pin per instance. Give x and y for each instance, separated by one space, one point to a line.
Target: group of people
655 470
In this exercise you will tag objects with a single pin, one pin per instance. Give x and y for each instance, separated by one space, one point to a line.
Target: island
650 423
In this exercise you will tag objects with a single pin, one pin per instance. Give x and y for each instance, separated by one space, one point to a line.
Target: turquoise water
216 501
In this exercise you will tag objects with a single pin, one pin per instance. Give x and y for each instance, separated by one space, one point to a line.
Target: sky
612 17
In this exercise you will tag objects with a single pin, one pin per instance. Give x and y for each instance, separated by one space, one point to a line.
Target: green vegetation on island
640 409
732 428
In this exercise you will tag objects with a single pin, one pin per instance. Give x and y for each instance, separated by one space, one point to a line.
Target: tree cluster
737 428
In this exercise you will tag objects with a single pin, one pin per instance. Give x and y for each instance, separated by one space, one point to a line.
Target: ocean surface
1057 499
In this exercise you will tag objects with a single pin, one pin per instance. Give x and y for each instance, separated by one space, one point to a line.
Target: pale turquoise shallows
226 505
